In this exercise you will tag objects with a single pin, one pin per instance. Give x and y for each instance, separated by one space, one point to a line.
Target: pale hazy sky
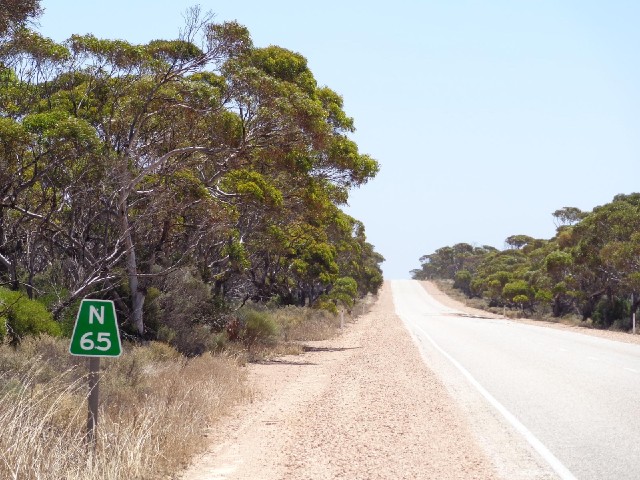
486 116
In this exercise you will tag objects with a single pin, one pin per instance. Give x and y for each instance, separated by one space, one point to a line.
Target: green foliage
173 51
17 12
520 299
177 178
608 310
568 216
253 184
119 53
518 241
516 289
462 281
326 303
40 48
590 267
12 131
284 65
20 316
557 262
447 261
231 38
182 312
259 325
344 291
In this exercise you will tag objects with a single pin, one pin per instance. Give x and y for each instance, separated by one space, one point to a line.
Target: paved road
573 399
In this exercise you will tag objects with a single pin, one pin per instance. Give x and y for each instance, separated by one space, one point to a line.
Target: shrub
608 310
517 288
344 291
21 316
288 318
259 326
184 313
307 324
462 281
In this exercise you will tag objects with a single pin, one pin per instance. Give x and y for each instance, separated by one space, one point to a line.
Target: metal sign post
95 335
94 395
633 315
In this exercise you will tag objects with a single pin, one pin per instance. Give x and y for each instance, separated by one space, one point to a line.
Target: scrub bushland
155 403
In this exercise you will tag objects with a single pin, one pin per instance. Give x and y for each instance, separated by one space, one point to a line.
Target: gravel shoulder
360 406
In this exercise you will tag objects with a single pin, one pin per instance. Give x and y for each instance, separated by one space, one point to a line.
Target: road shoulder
361 406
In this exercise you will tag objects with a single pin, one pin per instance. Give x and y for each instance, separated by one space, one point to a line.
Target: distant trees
591 267
447 262
123 163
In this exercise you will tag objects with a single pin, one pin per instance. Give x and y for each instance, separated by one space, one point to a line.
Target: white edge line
539 447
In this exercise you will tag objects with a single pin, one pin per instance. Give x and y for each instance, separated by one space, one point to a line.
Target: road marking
631 370
538 446
595 359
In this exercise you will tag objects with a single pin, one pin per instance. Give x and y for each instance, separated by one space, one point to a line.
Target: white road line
631 370
539 447
595 359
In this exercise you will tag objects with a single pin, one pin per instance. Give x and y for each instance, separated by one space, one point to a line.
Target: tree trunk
137 295
590 305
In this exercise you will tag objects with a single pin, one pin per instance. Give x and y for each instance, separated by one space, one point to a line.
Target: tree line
202 170
591 267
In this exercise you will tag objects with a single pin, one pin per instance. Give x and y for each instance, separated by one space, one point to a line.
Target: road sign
95 333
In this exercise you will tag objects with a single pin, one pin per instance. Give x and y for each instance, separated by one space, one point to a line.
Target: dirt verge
361 406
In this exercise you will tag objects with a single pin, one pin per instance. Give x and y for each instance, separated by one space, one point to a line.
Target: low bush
185 314
306 324
20 316
259 326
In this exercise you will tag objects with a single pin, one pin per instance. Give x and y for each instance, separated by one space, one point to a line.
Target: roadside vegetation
179 178
156 404
589 271
155 407
198 183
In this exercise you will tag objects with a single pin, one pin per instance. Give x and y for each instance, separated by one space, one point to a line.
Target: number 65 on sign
95 333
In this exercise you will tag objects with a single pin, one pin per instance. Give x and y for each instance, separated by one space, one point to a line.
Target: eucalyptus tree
605 254
14 14
122 162
40 146
158 124
446 262
300 167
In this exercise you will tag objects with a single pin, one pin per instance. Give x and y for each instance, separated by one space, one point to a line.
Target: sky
485 116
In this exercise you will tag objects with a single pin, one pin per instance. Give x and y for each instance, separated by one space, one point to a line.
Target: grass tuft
155 407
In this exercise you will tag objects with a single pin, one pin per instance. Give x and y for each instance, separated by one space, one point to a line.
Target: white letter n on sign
100 316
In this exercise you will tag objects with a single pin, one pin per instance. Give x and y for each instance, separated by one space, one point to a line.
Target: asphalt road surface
544 402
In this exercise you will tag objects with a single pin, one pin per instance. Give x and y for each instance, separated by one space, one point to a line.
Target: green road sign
95 333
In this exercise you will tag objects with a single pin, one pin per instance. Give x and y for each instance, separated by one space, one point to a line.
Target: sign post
95 335
633 315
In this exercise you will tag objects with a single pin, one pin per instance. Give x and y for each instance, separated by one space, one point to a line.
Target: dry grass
296 325
155 406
